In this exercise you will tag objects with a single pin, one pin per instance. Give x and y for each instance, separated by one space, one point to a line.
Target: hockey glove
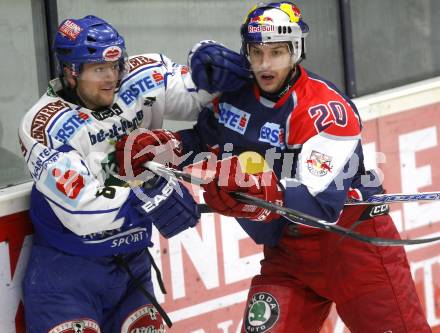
142 146
170 206
215 68
229 177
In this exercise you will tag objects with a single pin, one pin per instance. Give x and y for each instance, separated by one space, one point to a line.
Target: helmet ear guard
88 40
275 22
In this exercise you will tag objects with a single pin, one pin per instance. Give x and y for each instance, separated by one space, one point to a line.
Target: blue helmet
275 22
87 40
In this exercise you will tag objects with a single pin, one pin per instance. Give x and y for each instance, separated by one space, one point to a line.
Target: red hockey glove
229 177
142 146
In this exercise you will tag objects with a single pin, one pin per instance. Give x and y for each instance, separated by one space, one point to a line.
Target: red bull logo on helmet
112 53
291 10
70 29
260 19
261 28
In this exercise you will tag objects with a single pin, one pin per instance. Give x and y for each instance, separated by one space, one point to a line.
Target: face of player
270 63
96 84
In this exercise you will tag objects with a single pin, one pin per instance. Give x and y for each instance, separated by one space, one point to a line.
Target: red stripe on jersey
256 92
215 104
319 109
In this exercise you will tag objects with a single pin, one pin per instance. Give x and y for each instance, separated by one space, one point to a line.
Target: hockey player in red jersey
310 136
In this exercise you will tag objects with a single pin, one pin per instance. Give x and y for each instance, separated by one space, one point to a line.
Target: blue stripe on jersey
65 148
30 152
81 212
165 79
137 72
59 115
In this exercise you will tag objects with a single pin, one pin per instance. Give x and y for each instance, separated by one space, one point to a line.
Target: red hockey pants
310 269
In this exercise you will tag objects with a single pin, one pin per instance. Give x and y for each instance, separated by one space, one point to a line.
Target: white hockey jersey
69 151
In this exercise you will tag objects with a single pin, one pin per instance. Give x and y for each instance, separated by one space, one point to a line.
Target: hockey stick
288 213
397 197
373 200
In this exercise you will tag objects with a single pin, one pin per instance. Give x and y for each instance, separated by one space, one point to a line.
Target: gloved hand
142 146
170 206
229 177
215 68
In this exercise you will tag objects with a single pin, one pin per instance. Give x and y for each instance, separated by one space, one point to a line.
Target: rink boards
207 270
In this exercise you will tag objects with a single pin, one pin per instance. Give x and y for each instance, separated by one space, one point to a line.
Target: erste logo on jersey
262 313
66 181
319 164
140 85
272 134
233 118
68 125
69 182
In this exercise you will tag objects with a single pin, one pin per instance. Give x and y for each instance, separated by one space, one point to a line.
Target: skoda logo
262 313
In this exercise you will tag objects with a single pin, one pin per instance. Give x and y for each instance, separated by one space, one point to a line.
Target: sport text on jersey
117 238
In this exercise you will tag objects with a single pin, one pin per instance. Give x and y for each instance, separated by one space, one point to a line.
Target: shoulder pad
43 116
142 60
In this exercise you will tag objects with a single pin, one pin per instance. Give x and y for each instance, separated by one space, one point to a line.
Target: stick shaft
294 215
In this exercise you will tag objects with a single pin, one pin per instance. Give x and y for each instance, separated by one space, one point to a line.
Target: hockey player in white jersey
91 229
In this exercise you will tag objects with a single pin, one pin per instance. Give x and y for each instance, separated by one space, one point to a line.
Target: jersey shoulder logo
139 61
319 164
43 117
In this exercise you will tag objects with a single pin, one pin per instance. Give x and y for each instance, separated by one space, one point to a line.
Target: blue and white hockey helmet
275 22
88 40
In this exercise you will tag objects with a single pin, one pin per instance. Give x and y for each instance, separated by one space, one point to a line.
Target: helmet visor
104 70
